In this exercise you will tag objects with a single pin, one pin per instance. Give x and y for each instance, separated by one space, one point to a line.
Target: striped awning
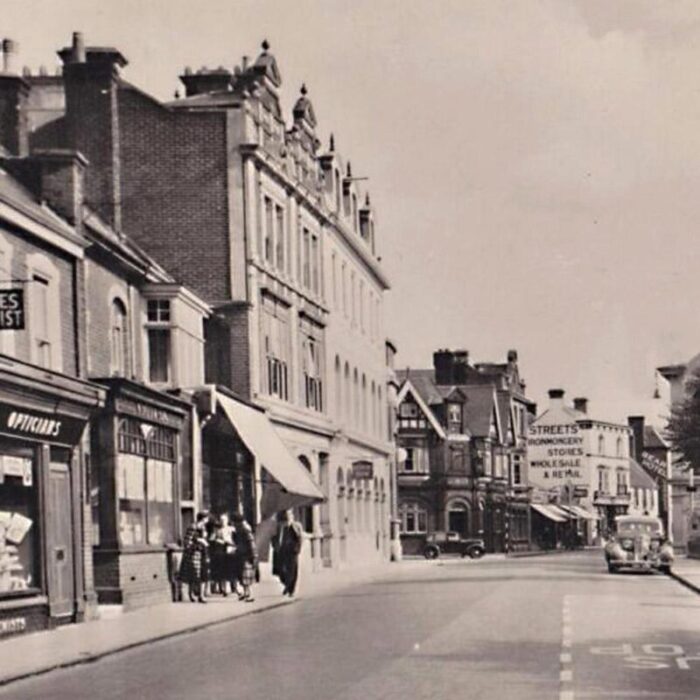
549 511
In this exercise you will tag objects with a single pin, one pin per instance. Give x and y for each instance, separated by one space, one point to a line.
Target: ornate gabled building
274 234
463 431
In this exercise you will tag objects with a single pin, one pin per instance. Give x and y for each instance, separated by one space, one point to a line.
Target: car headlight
627 543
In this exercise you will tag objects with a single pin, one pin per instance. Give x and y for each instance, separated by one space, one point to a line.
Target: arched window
380 413
118 338
414 518
618 447
340 496
363 405
355 399
601 445
338 390
305 514
373 410
348 396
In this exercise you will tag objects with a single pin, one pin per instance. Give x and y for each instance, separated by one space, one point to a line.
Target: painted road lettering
650 656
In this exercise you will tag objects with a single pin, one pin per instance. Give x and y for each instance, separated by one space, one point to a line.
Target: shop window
19 537
145 483
119 341
414 518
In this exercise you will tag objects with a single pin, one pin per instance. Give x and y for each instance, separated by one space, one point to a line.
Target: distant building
581 464
462 429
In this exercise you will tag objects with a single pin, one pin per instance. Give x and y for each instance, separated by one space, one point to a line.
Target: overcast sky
535 165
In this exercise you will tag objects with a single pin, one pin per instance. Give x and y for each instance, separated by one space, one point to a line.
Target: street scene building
463 431
582 464
243 449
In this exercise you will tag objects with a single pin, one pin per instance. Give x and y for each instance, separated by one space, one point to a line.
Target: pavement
40 652
529 629
687 571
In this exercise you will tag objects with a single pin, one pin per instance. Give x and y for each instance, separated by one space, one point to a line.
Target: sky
534 164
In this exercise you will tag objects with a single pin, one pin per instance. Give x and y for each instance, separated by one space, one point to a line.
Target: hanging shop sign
39 425
12 310
362 469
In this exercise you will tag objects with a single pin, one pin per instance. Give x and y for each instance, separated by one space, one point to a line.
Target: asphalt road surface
556 627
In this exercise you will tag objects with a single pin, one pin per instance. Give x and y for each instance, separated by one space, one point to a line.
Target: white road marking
566 675
565 658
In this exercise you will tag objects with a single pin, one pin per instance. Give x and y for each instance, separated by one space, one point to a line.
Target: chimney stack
581 404
636 423
14 92
556 398
443 363
461 363
9 54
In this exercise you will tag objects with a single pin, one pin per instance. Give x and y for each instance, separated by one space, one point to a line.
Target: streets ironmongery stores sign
11 309
39 425
363 469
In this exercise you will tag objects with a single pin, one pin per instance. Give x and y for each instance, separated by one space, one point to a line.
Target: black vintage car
438 543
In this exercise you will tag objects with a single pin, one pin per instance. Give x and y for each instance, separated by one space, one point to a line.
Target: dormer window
454 418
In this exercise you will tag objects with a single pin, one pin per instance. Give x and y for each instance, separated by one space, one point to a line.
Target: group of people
219 554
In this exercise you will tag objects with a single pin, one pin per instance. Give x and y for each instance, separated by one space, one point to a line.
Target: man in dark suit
288 545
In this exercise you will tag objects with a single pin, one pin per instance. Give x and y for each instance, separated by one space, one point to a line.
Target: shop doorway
59 537
458 519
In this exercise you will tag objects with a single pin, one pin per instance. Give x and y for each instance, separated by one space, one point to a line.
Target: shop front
138 461
42 571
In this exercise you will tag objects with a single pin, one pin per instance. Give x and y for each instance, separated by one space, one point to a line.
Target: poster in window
17 528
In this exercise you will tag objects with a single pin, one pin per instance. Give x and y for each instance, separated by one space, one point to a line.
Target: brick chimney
91 78
556 398
14 92
443 362
460 366
636 423
206 80
581 404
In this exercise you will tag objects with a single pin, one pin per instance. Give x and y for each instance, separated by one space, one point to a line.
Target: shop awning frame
579 512
548 512
293 486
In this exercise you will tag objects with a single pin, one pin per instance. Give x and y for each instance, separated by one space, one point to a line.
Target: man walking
288 541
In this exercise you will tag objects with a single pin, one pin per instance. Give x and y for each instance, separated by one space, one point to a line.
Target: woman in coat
246 556
193 569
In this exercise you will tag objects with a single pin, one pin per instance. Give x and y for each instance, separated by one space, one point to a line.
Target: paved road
555 627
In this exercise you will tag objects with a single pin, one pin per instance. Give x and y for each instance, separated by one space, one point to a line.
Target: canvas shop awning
292 485
579 512
549 512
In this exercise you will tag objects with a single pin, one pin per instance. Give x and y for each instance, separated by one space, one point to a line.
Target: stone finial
265 45
177 94
349 169
367 202
303 90
331 145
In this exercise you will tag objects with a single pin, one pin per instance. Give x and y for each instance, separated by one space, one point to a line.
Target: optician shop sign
39 425
11 309
555 454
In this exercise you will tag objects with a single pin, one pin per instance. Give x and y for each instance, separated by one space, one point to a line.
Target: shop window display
145 467
19 570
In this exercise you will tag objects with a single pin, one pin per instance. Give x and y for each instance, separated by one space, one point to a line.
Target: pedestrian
226 569
286 553
217 556
193 569
246 556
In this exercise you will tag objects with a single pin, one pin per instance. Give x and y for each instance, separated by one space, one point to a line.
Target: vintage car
639 543
438 543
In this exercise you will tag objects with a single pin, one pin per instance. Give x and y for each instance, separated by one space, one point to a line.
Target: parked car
438 543
639 543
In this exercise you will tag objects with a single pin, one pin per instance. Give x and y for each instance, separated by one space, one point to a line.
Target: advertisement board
555 455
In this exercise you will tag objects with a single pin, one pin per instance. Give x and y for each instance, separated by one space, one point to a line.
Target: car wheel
431 553
612 569
476 553
665 569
